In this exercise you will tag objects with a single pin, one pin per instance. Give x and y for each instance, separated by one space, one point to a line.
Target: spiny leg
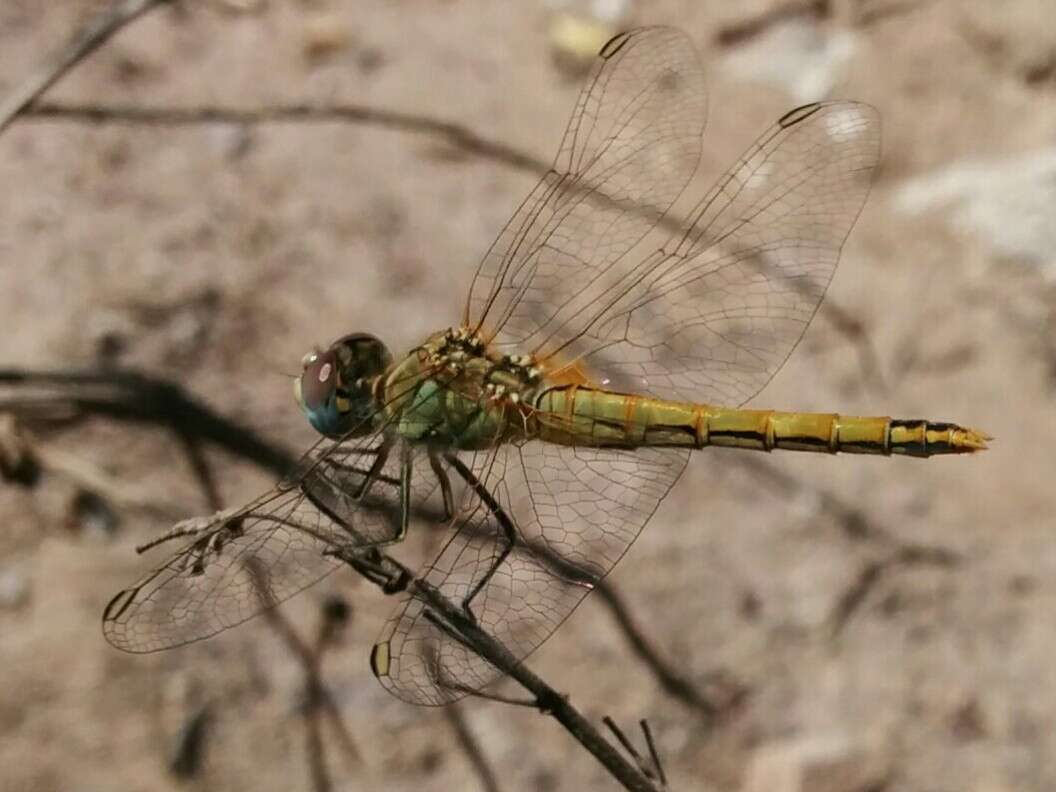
375 470
504 522
371 477
445 484
406 477
364 558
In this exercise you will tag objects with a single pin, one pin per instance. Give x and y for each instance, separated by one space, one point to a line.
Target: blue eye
317 392
336 386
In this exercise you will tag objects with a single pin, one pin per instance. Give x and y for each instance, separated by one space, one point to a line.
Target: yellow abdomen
578 415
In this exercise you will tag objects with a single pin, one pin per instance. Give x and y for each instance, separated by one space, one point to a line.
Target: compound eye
309 359
319 379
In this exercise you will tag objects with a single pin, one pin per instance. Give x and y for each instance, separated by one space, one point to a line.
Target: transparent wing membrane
535 584
235 566
630 149
238 563
713 309
714 313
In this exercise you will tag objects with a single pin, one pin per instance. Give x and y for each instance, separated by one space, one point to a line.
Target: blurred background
847 624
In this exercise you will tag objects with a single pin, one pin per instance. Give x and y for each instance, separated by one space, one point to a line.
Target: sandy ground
218 255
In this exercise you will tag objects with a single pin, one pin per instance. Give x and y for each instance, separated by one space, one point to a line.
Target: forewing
630 149
576 511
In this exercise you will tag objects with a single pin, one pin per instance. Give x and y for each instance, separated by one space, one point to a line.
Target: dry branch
392 577
132 396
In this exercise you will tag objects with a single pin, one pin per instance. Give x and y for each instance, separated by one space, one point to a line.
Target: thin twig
456 135
189 755
118 492
653 753
488 780
650 768
336 614
621 738
850 517
856 526
85 41
869 14
203 470
23 458
314 746
741 31
851 327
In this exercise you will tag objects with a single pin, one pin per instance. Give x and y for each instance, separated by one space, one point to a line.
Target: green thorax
455 393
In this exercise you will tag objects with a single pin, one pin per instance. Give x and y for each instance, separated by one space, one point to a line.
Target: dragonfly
604 339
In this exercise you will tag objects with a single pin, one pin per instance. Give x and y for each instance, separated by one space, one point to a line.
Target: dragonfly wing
630 149
575 511
237 565
241 562
721 306
713 312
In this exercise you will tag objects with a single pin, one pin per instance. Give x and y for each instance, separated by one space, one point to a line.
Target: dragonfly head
334 389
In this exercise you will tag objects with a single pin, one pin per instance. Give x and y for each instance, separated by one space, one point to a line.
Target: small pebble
324 36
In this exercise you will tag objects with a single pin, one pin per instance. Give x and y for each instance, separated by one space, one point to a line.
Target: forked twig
453 620
871 573
855 526
652 768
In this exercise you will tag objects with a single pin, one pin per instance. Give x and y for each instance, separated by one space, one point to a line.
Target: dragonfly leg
504 521
369 564
445 484
375 470
406 474
371 477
